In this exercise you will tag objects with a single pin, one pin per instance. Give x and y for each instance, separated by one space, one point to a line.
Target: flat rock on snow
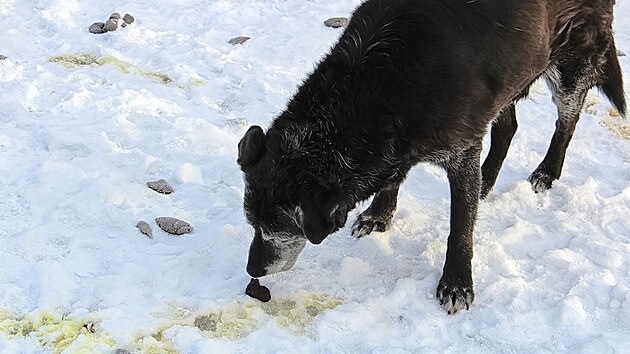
173 226
160 186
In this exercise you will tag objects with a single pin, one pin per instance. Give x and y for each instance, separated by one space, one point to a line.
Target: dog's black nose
255 272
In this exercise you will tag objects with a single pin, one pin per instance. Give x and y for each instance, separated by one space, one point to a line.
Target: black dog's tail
612 83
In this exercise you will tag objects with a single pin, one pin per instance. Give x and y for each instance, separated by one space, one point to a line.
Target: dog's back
452 65
430 66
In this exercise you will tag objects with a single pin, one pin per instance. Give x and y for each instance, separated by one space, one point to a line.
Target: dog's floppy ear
251 147
318 215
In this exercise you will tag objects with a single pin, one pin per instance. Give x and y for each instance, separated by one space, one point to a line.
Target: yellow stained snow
73 60
59 334
618 126
55 333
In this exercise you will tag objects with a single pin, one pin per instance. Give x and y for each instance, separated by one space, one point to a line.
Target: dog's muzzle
273 254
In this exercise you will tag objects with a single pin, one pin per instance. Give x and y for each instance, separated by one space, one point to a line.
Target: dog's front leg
455 289
378 216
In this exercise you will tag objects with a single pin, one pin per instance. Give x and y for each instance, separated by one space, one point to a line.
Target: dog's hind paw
365 224
454 297
540 181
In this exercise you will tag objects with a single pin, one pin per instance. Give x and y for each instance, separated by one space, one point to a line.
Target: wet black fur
419 81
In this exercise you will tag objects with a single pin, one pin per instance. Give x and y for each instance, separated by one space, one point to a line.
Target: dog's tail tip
618 102
612 81
621 108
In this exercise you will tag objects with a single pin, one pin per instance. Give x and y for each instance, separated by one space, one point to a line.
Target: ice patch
573 313
9 71
354 270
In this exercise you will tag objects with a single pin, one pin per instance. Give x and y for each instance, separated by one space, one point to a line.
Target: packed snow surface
87 119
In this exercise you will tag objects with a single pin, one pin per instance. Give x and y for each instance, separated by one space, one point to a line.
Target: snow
168 97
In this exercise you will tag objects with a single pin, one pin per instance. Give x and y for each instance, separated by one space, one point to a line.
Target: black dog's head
286 201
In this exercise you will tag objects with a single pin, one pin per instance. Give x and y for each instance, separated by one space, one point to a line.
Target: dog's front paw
455 294
540 181
366 223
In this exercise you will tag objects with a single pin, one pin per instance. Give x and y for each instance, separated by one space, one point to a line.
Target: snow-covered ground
168 97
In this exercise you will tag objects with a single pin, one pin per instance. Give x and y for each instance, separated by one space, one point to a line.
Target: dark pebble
128 19
111 25
620 53
257 291
115 16
97 27
2 57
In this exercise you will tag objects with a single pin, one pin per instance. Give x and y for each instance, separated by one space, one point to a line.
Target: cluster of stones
112 23
171 225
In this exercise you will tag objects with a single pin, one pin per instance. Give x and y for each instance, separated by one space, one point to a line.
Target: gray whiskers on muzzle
274 253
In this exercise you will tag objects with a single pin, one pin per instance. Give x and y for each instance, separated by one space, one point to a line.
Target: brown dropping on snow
257 291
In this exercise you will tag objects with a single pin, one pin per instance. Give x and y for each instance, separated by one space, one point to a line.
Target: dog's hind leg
503 130
455 289
569 84
378 216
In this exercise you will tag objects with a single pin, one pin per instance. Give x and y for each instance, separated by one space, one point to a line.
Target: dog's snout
259 256
255 272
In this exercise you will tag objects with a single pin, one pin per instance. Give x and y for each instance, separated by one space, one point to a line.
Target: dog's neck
319 150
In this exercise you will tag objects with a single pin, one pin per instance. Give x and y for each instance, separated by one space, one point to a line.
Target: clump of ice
189 173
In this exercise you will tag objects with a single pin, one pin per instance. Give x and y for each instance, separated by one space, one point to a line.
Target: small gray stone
121 351
97 27
238 40
160 186
206 323
128 19
145 228
111 25
2 57
620 53
173 226
336 22
312 311
114 16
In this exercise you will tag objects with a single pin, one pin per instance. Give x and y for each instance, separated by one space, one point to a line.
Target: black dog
418 81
